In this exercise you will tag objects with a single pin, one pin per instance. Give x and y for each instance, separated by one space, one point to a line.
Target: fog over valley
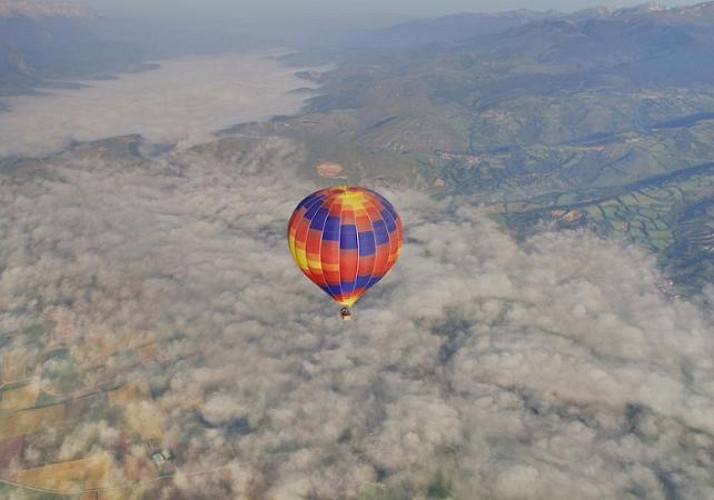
180 101
550 369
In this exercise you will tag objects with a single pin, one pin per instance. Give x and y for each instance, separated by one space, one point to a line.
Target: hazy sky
330 8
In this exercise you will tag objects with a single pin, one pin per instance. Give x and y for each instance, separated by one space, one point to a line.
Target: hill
583 111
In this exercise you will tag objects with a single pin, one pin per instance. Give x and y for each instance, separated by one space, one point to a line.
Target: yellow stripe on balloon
356 202
348 302
301 258
291 244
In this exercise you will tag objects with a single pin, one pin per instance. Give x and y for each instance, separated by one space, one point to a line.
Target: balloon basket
345 314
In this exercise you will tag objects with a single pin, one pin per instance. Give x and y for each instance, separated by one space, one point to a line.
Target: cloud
182 101
480 367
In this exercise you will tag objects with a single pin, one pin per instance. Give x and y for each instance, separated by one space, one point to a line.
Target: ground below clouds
478 368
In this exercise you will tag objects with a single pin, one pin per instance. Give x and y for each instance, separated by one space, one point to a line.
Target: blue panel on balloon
347 286
348 237
312 210
366 243
381 235
311 199
319 220
362 281
389 220
332 229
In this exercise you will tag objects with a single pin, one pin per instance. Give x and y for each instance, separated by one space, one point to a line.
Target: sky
277 9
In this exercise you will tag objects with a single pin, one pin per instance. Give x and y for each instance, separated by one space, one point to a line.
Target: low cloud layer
182 102
479 368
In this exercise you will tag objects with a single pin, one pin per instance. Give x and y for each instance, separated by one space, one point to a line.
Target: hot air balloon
345 239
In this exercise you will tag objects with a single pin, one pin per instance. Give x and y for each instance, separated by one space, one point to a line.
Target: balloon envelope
345 239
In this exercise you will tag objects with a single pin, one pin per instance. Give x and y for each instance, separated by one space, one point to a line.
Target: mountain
446 29
42 40
600 119
603 118
701 14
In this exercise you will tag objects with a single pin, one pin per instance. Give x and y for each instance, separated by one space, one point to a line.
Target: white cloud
183 101
547 369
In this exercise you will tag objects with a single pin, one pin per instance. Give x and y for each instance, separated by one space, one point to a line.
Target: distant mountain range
602 119
46 40
445 29
466 25
42 40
